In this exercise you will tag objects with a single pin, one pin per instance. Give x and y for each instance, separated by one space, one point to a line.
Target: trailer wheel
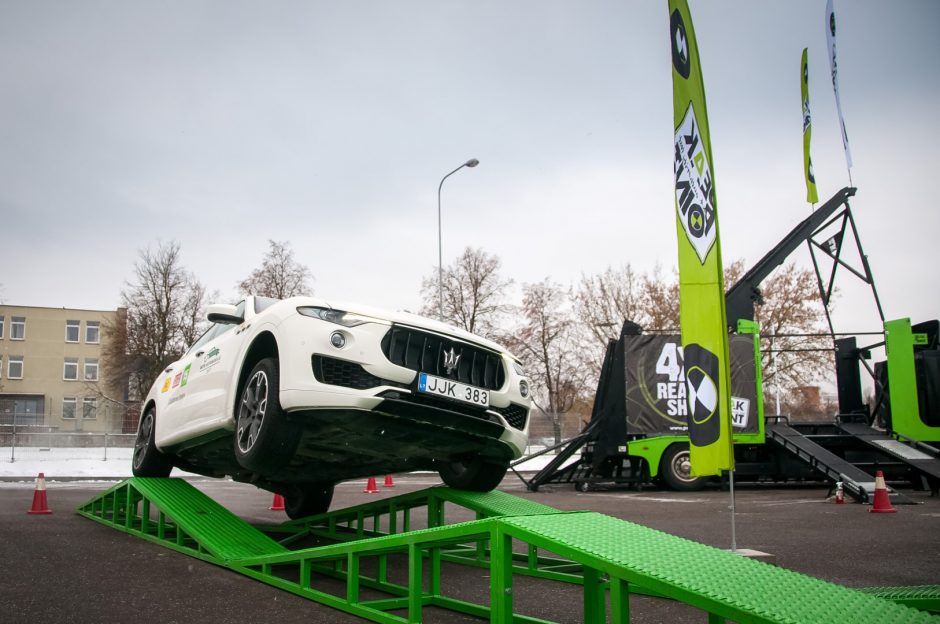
676 470
582 486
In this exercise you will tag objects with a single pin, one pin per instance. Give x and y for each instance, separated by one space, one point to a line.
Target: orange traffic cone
370 487
277 504
882 503
840 494
388 481
40 506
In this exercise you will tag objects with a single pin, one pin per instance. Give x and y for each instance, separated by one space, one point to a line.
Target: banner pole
734 540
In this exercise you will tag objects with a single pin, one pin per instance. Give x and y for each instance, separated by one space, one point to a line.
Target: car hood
401 317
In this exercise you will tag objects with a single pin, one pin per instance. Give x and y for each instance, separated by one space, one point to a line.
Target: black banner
656 390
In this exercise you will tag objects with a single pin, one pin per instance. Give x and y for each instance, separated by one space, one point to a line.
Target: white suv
298 394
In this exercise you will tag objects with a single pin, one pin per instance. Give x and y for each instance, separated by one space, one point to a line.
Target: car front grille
515 415
425 352
342 373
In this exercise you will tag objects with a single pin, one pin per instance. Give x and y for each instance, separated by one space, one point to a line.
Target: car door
213 373
209 376
173 403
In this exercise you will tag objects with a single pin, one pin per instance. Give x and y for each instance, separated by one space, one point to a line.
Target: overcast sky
330 124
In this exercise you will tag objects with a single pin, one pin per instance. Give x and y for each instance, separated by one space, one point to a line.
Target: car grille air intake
425 352
515 415
342 373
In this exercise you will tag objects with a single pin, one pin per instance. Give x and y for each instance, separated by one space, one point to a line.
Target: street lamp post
473 162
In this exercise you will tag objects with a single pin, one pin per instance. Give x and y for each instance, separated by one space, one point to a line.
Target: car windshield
263 303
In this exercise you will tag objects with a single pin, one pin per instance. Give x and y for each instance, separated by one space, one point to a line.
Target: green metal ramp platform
356 548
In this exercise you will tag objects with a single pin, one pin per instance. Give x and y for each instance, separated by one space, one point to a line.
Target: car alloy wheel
143 439
147 460
252 411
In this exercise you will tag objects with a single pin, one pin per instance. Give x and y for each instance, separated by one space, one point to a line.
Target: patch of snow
112 463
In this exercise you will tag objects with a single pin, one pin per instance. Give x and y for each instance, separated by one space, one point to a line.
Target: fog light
338 340
524 388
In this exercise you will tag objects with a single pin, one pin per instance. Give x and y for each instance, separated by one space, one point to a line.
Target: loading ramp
857 483
510 536
922 458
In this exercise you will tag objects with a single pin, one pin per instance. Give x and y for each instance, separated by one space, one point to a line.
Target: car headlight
340 317
518 367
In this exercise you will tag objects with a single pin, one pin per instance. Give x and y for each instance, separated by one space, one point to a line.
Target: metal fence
18 445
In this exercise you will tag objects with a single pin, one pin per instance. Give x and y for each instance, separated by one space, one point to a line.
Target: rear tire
675 468
148 461
474 474
265 440
307 499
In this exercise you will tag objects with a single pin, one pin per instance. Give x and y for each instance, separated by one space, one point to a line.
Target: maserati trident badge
450 360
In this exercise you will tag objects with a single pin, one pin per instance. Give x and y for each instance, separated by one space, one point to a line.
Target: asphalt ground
65 568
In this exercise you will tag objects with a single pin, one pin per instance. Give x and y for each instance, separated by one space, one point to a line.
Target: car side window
207 335
263 303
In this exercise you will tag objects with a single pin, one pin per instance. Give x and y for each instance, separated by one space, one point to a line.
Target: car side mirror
224 314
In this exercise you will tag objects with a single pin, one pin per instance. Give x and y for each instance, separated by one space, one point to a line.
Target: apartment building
51 370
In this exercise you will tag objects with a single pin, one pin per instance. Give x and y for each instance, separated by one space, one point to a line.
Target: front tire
474 474
265 440
307 499
148 461
676 469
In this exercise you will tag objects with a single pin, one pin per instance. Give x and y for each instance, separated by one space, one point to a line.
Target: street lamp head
473 162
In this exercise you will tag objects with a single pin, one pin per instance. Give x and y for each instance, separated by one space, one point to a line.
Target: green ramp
186 519
510 536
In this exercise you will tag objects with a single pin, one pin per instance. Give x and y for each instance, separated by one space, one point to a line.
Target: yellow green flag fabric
811 195
701 283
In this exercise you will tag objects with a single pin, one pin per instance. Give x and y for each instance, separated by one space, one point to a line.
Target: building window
92 332
1 327
18 328
15 367
22 409
72 330
68 408
91 369
89 408
70 371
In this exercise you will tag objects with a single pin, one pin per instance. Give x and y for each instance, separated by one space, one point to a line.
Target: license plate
453 390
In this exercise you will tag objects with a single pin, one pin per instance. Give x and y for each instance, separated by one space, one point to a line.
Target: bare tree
603 301
548 344
794 352
474 293
791 306
279 276
163 315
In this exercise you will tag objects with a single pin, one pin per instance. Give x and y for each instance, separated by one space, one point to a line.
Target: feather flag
701 282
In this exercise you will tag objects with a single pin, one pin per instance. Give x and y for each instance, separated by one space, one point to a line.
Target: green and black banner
701 283
811 195
657 396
